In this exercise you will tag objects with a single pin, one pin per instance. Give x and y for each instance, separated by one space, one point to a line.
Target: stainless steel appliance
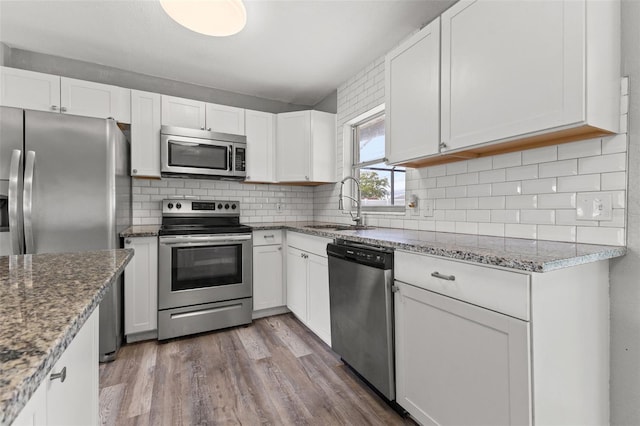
68 189
361 300
205 267
187 152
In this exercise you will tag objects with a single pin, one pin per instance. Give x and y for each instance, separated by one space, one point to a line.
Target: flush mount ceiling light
210 17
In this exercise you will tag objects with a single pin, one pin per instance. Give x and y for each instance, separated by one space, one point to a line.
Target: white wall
529 194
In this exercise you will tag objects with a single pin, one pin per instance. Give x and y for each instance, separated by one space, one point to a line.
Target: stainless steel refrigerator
66 187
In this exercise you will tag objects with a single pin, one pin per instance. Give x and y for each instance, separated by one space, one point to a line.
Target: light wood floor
274 372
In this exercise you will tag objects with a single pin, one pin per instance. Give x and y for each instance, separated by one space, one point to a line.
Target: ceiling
294 51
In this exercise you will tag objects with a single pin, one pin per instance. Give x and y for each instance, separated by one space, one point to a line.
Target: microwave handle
231 165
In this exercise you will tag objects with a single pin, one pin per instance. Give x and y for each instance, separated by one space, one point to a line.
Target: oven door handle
202 240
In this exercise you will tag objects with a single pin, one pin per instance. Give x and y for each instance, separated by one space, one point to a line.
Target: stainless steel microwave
188 152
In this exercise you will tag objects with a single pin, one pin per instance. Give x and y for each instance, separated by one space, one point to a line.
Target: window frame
356 166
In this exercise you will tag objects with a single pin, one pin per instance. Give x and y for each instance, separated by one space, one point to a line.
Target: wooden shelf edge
523 144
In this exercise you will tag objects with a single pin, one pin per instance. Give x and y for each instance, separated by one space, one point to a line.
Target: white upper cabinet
306 147
183 112
145 134
89 99
261 150
511 70
225 119
30 90
45 92
413 96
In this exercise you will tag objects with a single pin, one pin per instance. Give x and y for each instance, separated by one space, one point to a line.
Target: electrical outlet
427 208
594 207
278 207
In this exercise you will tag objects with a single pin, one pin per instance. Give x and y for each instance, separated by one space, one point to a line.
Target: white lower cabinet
268 284
483 345
308 282
141 289
72 398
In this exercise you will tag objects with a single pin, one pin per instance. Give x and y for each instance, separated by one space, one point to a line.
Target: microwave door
197 157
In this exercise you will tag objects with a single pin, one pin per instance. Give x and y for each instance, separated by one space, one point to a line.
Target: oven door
197 269
186 155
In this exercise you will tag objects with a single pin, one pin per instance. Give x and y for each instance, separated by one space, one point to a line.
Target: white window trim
347 159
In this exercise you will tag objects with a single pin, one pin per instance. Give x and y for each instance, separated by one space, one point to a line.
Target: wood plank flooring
274 372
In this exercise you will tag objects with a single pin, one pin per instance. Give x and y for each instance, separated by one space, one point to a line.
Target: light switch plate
427 208
594 207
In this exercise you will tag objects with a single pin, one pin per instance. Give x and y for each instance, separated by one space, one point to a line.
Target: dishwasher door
362 320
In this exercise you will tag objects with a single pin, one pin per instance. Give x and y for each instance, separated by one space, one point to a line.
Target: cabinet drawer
495 289
308 243
267 237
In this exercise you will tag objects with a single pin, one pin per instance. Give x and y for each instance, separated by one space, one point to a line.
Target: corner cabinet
545 67
306 147
413 96
261 150
141 289
482 345
74 400
308 282
145 134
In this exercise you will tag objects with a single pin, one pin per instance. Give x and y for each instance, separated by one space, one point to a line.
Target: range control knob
219 206
226 206
233 206
178 205
170 205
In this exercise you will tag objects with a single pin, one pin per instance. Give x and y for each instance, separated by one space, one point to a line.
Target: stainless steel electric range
204 267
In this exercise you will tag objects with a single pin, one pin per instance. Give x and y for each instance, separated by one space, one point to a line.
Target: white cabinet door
141 286
183 112
459 364
35 412
145 134
28 89
89 99
413 96
261 138
75 401
323 147
268 289
297 283
225 119
511 68
318 309
293 143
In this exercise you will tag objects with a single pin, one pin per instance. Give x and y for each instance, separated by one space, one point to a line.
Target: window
382 187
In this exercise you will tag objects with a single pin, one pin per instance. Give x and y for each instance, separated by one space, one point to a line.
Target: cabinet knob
248 177
63 109
279 248
134 171
54 107
306 177
201 128
209 128
443 145
127 241
61 375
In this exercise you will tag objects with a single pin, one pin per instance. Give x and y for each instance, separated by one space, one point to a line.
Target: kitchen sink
340 227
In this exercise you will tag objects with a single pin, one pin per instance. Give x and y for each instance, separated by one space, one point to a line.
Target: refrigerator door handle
27 201
15 225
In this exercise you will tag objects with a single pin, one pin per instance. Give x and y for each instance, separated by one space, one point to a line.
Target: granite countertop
141 231
514 253
46 298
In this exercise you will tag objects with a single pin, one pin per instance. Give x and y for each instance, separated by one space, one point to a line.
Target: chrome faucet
358 217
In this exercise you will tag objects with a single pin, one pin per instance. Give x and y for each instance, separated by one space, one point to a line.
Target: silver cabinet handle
209 128
127 241
54 107
15 226
61 375
27 202
279 248
201 128
306 177
269 236
443 277
63 109
443 145
134 171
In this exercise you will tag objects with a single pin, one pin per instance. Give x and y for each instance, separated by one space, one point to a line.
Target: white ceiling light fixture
218 18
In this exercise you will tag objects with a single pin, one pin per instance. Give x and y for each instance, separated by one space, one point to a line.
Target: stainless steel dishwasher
361 299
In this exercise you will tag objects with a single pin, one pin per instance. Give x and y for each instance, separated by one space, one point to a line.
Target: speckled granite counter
141 231
515 253
46 298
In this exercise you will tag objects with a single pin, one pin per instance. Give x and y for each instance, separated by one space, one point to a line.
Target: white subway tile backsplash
539 216
507 160
618 219
491 176
445 203
520 231
579 149
455 215
479 164
467 228
456 192
522 201
614 144
467 203
492 202
557 233
506 188
522 172
539 186
445 226
467 179
558 168
568 217
579 183
436 193
456 168
611 181
557 201
505 216
437 171
479 215
480 190
492 229
603 163
540 155
601 235
445 181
